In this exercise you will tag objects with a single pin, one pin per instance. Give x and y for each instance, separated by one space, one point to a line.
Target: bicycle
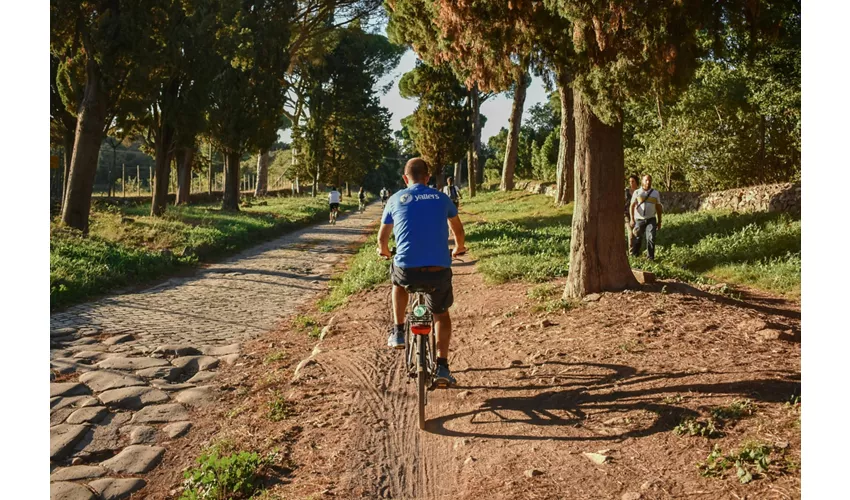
420 354
334 212
362 205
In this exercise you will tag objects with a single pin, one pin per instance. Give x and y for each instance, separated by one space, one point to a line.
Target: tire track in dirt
399 461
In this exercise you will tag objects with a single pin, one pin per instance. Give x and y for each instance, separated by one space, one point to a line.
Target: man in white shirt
451 191
645 212
333 199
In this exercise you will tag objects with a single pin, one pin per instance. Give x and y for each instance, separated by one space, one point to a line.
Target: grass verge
364 270
127 246
523 236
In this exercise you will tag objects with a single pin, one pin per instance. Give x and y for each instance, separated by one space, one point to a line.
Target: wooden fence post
123 180
138 181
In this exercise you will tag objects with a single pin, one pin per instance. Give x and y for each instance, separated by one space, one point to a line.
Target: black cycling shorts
441 299
334 206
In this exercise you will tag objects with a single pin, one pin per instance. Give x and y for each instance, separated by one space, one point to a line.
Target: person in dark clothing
645 212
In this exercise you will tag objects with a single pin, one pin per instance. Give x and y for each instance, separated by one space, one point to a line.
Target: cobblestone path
125 370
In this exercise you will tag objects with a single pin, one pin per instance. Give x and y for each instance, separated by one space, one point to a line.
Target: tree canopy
440 121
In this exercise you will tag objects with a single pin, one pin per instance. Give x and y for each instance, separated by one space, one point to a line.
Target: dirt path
128 370
537 391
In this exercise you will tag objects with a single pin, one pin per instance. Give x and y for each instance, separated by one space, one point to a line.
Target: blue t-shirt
419 214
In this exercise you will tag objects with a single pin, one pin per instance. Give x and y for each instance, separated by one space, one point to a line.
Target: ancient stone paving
126 370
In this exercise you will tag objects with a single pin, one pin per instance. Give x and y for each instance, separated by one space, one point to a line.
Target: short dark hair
633 176
416 169
333 188
450 179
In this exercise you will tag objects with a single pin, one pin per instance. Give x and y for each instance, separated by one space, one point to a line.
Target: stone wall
784 197
547 188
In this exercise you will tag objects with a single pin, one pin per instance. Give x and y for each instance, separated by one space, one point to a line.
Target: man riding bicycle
334 198
385 194
361 195
417 217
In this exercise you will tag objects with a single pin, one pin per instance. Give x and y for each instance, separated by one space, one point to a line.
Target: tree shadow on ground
686 289
568 405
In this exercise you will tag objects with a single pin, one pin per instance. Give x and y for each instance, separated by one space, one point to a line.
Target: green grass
364 271
127 246
752 460
237 475
697 427
519 236
279 408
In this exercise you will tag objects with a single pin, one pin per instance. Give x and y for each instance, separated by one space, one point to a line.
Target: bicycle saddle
420 289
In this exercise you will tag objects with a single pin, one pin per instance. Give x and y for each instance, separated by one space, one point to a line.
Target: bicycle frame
420 349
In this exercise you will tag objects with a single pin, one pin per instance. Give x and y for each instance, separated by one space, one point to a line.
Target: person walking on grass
645 217
417 217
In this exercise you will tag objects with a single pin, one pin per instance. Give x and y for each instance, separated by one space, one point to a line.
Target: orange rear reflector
420 329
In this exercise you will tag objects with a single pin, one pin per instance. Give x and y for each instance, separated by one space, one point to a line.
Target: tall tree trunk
458 174
67 151
439 174
470 172
230 200
475 174
262 173
109 176
567 146
184 175
91 121
210 174
598 257
315 185
348 190
162 169
512 146
296 138
762 162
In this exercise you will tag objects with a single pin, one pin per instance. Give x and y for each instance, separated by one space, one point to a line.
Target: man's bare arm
460 235
632 212
384 240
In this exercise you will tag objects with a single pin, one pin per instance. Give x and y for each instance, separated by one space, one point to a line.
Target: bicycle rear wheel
422 377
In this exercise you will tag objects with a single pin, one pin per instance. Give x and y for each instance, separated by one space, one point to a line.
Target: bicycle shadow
606 395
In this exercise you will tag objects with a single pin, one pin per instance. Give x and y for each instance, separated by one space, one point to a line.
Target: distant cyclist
417 217
385 194
333 199
451 191
362 196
